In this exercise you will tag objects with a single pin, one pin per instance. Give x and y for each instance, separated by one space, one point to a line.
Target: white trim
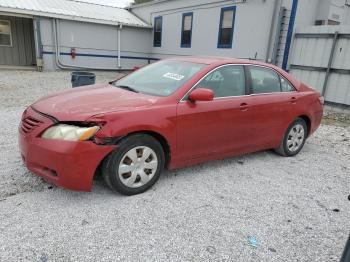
10 34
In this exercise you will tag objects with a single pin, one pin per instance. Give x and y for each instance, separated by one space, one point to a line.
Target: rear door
272 102
205 128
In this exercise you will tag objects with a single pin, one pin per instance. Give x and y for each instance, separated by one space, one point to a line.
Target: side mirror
201 94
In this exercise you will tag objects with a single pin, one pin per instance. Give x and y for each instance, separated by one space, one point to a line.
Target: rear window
286 86
264 80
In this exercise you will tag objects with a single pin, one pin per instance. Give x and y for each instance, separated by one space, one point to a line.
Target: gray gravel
201 213
17 91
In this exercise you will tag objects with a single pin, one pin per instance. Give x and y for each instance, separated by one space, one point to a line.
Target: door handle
293 100
243 107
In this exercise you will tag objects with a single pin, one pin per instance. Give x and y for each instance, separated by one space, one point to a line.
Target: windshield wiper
128 88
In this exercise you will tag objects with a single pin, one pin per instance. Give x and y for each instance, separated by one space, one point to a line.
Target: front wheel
294 138
135 166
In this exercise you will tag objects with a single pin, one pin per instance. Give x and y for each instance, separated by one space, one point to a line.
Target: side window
225 81
264 80
286 86
157 31
214 76
186 31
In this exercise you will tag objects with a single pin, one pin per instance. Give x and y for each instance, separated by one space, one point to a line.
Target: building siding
96 45
312 55
22 51
251 28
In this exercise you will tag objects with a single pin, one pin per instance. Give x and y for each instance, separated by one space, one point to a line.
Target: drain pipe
273 22
119 44
61 65
38 46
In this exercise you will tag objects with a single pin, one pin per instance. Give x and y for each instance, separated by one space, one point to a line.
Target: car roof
219 60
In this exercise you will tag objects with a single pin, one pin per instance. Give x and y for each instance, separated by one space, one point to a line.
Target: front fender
160 120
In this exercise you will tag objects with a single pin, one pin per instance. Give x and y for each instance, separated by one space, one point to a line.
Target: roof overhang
149 3
32 13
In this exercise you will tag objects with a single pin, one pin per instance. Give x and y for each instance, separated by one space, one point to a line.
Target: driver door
220 126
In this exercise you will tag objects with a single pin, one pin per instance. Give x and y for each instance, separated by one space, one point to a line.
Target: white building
66 34
258 29
70 34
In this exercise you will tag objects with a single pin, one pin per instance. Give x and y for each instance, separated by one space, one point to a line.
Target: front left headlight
70 132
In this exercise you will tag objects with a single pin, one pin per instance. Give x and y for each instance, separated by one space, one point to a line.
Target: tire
294 138
135 166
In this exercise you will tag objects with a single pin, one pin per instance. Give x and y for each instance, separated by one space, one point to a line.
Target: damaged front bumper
66 164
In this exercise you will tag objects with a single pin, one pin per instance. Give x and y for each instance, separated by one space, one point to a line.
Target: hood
81 103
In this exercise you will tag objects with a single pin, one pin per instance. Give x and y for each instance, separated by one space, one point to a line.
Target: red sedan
169 114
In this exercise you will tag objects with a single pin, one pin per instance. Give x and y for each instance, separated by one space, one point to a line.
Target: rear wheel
294 138
135 166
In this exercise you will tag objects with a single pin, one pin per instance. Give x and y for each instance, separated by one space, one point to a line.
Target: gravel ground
297 208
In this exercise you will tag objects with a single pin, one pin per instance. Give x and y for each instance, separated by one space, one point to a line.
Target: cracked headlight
70 132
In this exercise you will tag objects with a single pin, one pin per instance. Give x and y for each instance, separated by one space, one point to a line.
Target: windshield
160 79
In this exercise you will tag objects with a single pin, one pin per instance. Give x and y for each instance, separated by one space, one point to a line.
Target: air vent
29 124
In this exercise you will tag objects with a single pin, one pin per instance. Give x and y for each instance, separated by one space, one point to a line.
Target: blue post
289 34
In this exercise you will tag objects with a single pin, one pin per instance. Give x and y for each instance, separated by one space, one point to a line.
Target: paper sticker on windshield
174 76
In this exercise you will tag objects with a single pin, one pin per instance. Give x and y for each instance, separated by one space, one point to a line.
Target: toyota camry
170 114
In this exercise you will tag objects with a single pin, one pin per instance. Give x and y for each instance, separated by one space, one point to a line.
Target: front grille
29 124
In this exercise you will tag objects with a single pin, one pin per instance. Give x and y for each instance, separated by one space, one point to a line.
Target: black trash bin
82 78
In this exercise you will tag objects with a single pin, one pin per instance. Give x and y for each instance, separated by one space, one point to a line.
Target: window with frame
225 81
186 30
227 20
5 33
264 80
286 86
157 31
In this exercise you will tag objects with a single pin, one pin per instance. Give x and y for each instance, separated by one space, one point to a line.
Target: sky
118 3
